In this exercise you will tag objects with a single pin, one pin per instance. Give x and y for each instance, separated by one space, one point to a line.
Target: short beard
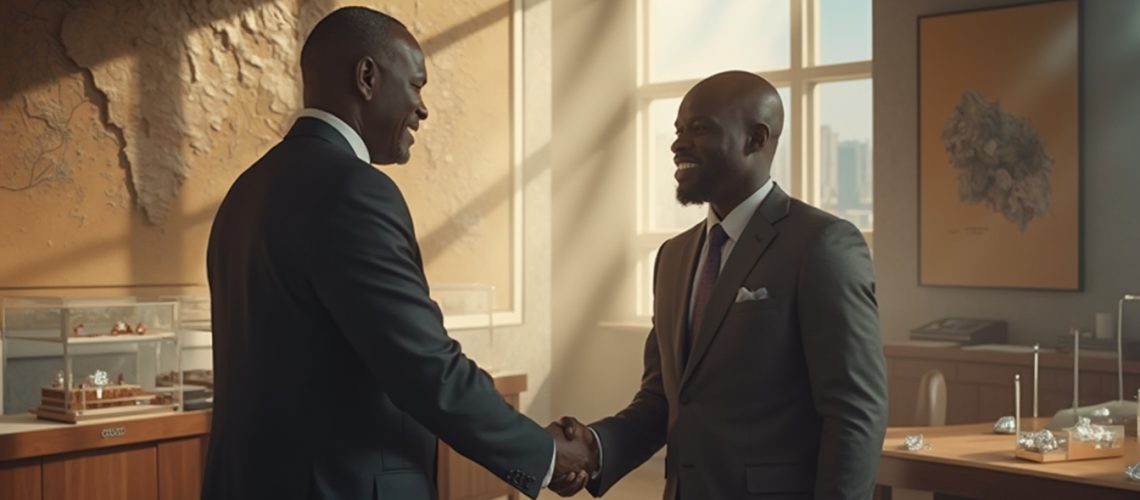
403 156
699 194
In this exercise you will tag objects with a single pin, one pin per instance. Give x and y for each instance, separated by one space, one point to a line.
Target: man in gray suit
764 371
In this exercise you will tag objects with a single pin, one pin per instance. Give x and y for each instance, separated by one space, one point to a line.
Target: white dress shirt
734 225
361 151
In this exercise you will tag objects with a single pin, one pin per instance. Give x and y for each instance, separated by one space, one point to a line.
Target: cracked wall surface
125 122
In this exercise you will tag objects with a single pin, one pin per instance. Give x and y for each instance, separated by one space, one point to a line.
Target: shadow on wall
44 21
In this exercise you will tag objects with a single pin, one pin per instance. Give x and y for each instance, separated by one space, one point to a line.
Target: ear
367 77
758 135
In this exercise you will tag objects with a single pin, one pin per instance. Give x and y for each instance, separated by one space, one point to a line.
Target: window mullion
808 102
797 45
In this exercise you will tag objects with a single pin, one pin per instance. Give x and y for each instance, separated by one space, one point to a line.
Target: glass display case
196 354
72 359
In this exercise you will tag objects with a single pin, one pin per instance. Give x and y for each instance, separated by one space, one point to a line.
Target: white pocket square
744 295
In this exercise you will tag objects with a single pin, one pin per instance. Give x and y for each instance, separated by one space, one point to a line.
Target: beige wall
1111 232
596 368
124 124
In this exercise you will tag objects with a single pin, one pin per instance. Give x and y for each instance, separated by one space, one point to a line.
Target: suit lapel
753 243
691 242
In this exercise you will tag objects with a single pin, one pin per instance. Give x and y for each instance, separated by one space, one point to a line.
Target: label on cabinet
113 432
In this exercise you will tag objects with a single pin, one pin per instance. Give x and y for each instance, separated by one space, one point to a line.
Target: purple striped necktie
706 281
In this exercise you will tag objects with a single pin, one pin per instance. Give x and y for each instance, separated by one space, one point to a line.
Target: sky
693 39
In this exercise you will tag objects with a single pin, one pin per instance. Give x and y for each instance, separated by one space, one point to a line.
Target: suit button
684 399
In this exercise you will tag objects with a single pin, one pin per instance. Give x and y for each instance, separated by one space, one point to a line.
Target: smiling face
394 105
724 142
708 151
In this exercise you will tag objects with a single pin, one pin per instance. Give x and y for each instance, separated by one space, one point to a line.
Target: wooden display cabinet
162 458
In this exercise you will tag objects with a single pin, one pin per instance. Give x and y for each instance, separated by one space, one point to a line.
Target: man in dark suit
334 374
764 372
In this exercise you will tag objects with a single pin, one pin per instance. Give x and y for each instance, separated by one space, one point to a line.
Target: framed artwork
999 143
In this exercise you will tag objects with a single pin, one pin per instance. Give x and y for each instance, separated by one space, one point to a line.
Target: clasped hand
576 456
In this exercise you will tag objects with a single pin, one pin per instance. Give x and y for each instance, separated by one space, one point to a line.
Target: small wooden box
1078 450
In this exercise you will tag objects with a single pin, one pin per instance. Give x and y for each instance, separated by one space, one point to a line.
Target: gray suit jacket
784 397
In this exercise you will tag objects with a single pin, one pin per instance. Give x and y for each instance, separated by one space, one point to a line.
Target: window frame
802 78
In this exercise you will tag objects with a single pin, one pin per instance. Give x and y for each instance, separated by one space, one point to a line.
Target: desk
971 461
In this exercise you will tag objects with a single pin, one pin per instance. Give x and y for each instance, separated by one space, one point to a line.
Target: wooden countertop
976 446
25 436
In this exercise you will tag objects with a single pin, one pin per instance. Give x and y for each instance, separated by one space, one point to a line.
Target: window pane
665 212
691 39
782 163
845 168
844 31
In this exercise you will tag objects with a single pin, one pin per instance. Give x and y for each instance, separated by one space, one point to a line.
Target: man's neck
727 204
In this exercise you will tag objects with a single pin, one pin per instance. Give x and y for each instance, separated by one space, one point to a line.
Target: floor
648 481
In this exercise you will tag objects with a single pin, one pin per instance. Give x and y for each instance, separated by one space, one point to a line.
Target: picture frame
999 147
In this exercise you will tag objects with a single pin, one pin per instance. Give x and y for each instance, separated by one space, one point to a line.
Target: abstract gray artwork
1000 159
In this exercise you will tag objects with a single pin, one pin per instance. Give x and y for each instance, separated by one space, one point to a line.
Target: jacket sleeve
634 434
842 343
367 272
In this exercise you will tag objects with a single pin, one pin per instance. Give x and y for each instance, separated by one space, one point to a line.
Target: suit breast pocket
757 330
753 305
399 484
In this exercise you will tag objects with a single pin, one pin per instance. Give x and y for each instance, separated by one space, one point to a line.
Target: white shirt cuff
550 472
597 440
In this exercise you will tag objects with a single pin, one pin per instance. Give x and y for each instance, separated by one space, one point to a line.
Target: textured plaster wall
125 122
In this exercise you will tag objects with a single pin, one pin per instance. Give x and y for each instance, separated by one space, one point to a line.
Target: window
816 52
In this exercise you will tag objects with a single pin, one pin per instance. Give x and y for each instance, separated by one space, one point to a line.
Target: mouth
411 129
685 169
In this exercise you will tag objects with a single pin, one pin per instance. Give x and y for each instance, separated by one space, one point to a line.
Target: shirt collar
335 122
737 220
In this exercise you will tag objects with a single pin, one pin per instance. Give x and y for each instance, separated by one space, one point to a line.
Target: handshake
576 456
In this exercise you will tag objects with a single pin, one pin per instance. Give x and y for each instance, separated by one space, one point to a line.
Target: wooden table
970 461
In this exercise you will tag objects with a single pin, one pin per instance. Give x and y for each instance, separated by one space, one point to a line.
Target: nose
679 144
422 111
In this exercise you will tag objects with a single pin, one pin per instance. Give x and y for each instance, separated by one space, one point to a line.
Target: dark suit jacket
780 398
333 372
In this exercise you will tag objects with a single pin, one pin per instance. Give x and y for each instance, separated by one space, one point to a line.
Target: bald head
728 127
341 39
748 96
